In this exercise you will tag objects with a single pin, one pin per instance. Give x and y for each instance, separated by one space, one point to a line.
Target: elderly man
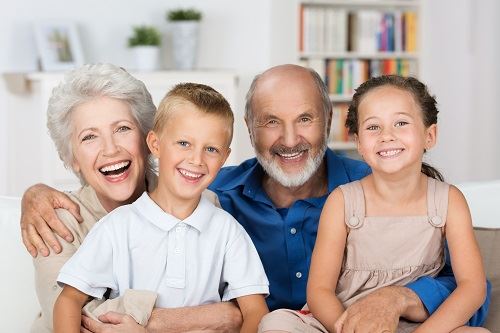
277 197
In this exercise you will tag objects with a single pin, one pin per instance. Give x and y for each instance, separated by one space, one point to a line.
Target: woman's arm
46 271
467 267
39 219
326 262
68 310
253 308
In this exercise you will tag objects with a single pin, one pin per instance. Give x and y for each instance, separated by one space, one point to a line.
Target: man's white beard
273 169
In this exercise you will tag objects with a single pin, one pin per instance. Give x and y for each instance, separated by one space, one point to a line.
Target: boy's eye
183 143
88 137
123 128
401 123
212 150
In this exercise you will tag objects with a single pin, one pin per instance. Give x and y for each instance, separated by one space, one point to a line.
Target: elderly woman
98 118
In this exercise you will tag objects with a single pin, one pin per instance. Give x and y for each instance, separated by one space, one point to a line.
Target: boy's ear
153 142
430 136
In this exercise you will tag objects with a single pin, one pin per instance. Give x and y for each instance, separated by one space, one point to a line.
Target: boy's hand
39 219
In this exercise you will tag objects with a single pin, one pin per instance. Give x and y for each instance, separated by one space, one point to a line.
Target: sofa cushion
489 243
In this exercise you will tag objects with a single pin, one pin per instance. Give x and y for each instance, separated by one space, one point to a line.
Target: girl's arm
467 267
326 262
253 308
68 310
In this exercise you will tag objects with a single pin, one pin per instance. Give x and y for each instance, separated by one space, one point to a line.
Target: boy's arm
68 310
253 308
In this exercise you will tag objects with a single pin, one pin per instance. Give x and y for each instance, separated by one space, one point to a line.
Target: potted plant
145 43
185 26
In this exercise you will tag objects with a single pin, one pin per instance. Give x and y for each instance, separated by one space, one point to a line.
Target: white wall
459 61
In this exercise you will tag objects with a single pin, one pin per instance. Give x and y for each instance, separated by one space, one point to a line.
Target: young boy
172 240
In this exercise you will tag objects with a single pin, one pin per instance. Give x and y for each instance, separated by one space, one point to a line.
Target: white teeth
291 156
190 174
114 166
389 153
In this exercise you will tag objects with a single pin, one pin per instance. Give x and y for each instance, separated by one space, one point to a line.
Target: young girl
389 228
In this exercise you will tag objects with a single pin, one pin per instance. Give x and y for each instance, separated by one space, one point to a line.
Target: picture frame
58 45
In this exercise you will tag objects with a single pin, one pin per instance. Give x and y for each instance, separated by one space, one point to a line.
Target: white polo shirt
206 258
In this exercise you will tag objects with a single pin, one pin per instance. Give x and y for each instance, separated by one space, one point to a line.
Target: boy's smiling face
191 147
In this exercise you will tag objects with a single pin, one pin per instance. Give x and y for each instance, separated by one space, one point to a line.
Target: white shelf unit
32 157
322 53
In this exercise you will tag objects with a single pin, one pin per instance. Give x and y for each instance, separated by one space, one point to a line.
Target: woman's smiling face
109 150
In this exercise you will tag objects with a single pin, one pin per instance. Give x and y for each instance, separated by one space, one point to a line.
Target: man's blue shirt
284 238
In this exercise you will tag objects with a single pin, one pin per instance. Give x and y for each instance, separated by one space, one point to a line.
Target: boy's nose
196 157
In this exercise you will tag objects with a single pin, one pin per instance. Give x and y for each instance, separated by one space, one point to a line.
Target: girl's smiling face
392 136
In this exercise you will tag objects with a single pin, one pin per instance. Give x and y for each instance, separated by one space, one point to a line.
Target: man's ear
430 136
153 142
248 122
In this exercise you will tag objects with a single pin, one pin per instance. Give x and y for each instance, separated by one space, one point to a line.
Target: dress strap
437 202
354 204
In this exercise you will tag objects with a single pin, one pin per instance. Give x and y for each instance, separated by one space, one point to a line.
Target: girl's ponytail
431 172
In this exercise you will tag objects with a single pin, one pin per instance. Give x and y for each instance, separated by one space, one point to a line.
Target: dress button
293 231
436 221
354 221
298 275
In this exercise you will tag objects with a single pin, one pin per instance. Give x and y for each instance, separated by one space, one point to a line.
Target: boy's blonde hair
204 98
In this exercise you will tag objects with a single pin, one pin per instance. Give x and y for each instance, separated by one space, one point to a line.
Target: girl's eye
372 127
401 123
212 150
88 137
123 129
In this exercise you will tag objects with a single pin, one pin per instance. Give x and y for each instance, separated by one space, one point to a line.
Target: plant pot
185 43
147 58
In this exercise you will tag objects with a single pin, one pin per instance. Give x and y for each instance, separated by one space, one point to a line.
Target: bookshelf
349 41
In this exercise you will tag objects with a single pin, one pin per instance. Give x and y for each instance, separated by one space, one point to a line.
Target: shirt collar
199 219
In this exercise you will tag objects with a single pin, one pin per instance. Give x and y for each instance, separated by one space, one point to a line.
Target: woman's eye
401 123
123 129
88 137
305 119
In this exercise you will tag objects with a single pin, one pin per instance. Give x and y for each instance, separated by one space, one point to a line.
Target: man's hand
379 311
39 219
111 322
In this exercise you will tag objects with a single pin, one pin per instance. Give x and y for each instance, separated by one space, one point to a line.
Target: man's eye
272 123
88 137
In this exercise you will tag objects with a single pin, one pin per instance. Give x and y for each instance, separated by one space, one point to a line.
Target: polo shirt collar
199 219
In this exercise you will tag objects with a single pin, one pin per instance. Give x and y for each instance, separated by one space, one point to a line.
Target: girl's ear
153 142
430 136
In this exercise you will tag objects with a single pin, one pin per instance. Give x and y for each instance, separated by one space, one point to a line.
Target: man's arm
217 317
39 219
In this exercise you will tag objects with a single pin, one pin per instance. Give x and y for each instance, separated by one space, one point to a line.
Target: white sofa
18 303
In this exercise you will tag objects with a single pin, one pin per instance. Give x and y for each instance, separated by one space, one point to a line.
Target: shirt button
293 231
298 275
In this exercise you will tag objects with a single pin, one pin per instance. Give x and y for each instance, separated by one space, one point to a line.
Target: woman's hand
111 322
39 220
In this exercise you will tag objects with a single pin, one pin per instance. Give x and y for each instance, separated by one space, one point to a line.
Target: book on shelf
338 131
324 29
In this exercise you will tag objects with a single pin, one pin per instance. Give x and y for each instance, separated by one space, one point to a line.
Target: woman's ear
430 136
153 142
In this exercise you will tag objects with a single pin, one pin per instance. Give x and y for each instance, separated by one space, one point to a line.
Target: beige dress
383 251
